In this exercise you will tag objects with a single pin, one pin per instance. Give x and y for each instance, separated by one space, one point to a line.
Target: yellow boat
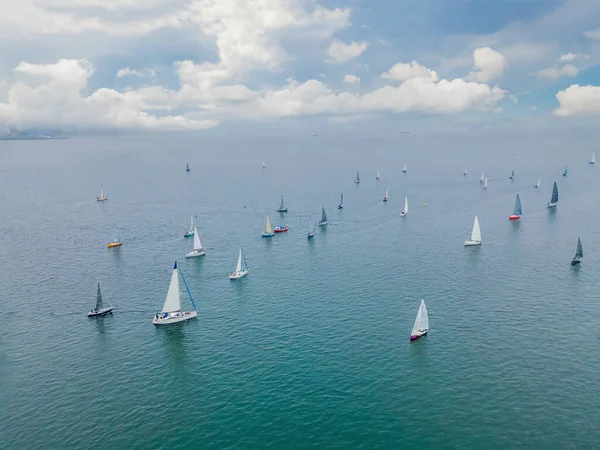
114 244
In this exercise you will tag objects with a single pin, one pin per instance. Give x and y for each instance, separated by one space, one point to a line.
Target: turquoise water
312 348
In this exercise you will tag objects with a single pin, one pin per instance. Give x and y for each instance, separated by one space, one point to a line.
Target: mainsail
197 243
173 301
517 209
281 206
482 178
422 320
99 304
476 233
579 252
238 268
405 205
323 215
268 228
554 198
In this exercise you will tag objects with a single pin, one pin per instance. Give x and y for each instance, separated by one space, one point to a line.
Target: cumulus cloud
593 34
554 73
578 100
570 57
128 72
340 53
488 65
351 79
402 72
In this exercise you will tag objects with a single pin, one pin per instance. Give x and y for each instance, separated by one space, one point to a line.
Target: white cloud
578 100
351 79
570 57
533 108
497 110
593 34
488 65
340 53
128 72
402 72
554 73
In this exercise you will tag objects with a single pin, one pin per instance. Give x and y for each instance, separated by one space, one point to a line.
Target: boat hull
514 217
471 243
101 199
321 224
174 318
552 205
414 337
195 253
310 236
114 244
385 199
402 214
575 261
101 312
188 234
237 275
592 162
280 230
282 210
267 235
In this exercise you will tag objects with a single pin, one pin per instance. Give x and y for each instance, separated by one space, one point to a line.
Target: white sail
422 320
485 182
191 223
538 182
482 178
197 243
101 192
377 174
405 205
264 163
476 233
465 172
593 160
268 228
386 192
404 170
238 268
173 302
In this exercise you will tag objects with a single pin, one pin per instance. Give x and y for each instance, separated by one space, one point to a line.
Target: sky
308 66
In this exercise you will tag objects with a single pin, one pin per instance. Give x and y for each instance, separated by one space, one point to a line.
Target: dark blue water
312 348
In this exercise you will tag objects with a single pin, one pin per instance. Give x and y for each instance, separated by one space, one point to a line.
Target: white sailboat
241 269
481 179
191 232
593 160
465 172
198 249
404 170
264 164
421 326
537 185
475 234
485 183
102 198
100 309
377 176
405 210
171 311
385 197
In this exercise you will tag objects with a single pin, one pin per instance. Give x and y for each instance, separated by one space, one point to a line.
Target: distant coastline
32 135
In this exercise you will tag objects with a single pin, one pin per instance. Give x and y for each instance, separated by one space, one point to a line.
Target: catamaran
241 270
341 205
578 253
593 160
537 185
385 197
485 183
512 175
554 200
465 172
198 250
475 234
187 167
102 198
171 311
565 172
377 176
268 230
357 179
311 232
405 210
516 210
191 232
323 220
404 170
282 207
481 179
421 326
100 309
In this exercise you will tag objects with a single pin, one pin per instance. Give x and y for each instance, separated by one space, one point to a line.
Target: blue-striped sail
517 209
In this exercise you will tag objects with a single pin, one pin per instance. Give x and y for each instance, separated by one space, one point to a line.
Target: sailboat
565 172
357 179
537 185
465 172
475 235
241 270
421 326
268 230
264 164
282 208
171 311
100 309
404 170
115 243
481 179
377 176
102 198
198 250
341 205
512 175
578 253
323 220
405 210
554 200
311 232
593 160
485 183
191 232
385 197
187 167
517 209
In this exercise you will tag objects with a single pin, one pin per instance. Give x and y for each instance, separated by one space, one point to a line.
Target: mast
99 304
173 300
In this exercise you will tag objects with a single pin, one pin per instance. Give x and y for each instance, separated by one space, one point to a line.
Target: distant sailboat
187 167
537 185
102 198
377 176
517 209
241 270
385 197
198 250
323 220
481 179
421 326
341 205
191 232
100 309
593 160
311 232
512 175
465 172
268 230
578 253
485 182
554 200
565 172
282 208
264 164
405 169
405 210
357 179
475 234
171 311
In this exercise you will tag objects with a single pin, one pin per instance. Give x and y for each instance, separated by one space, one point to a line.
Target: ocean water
311 349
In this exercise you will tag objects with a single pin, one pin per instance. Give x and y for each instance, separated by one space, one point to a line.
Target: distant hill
31 135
